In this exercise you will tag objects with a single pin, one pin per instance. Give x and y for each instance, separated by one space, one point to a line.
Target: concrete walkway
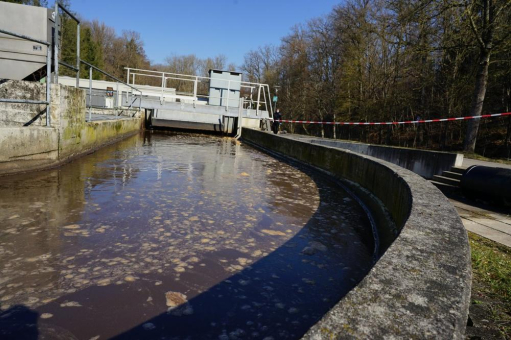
491 225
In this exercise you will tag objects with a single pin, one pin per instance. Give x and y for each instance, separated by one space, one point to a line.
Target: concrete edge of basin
420 286
39 158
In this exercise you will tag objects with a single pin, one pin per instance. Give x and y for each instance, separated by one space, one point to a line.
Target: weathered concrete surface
420 287
423 162
37 147
23 149
13 115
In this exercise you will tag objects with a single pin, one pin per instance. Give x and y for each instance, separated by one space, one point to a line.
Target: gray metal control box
19 57
224 88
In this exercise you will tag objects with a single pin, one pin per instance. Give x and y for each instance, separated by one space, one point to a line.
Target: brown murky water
175 236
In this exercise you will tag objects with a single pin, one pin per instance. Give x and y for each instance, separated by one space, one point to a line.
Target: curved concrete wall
420 286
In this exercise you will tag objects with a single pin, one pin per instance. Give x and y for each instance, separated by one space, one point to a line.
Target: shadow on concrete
481 204
37 116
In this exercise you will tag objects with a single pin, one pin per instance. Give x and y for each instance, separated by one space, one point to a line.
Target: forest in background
367 60
397 60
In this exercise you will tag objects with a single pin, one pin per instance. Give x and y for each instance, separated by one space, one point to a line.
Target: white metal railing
261 103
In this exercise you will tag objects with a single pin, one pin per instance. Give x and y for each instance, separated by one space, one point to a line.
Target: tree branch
474 28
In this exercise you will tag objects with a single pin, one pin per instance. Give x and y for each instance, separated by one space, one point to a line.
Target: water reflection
184 236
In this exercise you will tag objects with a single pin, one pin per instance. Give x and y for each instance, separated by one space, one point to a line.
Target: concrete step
447 180
453 175
445 188
458 169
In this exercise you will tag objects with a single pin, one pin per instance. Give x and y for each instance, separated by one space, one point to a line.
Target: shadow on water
278 297
19 322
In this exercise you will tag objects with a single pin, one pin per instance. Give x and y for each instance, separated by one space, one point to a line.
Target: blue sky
205 28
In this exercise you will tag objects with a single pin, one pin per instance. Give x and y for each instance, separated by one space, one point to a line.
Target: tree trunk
322 126
477 101
334 126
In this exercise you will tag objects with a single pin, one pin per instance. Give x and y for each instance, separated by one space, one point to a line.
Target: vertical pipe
228 92
269 98
195 90
78 56
162 86
258 98
128 76
90 93
48 85
56 44
265 102
116 98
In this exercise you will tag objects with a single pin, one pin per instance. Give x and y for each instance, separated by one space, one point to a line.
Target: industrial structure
29 50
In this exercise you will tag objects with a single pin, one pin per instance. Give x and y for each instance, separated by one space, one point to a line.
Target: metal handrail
109 75
48 72
113 77
165 76
184 75
56 42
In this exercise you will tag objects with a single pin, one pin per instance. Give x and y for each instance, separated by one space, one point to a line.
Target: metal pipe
116 98
67 65
48 85
24 37
271 109
90 93
67 12
162 85
258 98
109 75
128 77
78 55
228 92
56 45
195 90
265 102
22 101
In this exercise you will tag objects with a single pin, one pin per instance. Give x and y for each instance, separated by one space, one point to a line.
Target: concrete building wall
420 286
25 148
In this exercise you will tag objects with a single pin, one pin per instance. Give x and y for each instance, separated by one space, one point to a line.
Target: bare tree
485 20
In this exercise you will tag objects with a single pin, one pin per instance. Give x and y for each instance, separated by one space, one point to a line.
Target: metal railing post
48 85
56 40
195 90
265 101
240 119
78 55
128 76
90 93
258 99
162 86
116 98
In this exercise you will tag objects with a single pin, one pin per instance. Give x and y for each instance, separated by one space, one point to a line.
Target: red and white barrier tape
395 123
